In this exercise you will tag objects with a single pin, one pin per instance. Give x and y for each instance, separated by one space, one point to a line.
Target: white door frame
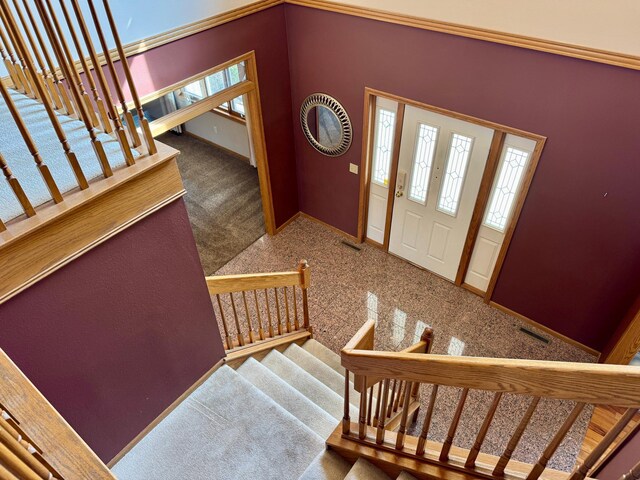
370 96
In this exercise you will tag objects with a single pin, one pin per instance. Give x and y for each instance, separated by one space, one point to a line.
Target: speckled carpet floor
223 200
350 287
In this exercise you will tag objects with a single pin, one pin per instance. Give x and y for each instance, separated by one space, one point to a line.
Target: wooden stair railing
580 383
255 308
36 443
41 65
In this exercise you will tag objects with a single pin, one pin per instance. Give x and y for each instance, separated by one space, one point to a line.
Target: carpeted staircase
265 420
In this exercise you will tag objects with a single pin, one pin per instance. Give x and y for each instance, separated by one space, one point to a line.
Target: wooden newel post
305 281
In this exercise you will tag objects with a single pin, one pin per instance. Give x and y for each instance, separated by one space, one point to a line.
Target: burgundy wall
118 334
575 255
624 460
264 32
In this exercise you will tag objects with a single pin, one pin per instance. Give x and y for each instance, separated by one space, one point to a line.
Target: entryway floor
223 199
351 286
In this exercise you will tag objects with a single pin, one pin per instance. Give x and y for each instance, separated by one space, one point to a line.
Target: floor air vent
351 245
534 335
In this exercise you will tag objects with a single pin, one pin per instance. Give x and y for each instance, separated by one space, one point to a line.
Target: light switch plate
353 168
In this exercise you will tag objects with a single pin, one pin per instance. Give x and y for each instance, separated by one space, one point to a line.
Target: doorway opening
214 118
443 190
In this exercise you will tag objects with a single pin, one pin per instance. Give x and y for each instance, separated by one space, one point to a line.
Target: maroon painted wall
264 32
624 460
113 338
575 255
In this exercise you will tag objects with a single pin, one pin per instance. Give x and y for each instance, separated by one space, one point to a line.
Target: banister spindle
5 49
57 90
17 188
475 450
515 438
370 406
555 442
296 323
399 396
20 66
67 63
362 423
227 337
104 119
31 41
266 298
3 227
405 413
346 419
583 470
55 123
62 55
422 440
12 444
446 446
146 130
286 310
131 126
382 419
260 329
246 312
26 136
305 283
237 321
391 399
376 414
275 292
104 86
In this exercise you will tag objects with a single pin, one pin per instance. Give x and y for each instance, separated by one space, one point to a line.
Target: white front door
442 160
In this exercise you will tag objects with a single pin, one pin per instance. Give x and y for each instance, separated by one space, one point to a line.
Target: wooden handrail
576 382
249 315
591 383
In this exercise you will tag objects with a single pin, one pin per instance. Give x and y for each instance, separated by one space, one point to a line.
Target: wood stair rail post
57 90
17 188
151 146
54 191
63 54
305 283
102 80
104 118
53 118
346 419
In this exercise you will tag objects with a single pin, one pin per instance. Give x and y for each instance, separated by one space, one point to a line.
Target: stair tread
305 383
301 407
363 470
321 371
323 353
327 465
211 436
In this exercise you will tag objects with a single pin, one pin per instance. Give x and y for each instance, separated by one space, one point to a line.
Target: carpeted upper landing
21 162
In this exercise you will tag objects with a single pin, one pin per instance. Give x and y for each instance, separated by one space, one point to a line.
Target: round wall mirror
326 124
